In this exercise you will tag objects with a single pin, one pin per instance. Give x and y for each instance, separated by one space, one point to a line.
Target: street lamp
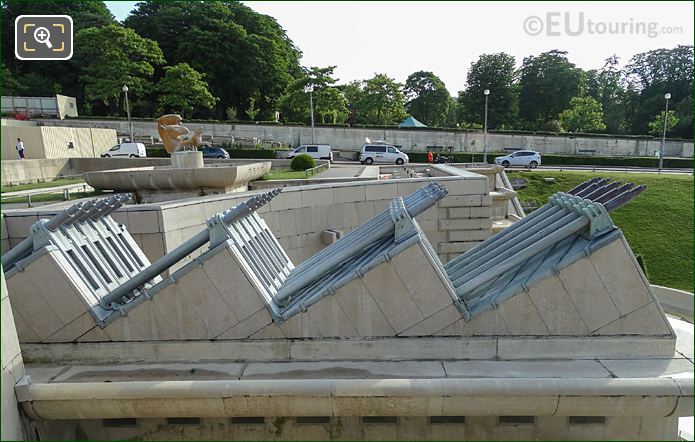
127 109
311 108
486 92
667 96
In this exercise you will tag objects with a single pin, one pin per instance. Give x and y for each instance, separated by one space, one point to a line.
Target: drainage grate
379 419
247 420
516 420
587 420
447 419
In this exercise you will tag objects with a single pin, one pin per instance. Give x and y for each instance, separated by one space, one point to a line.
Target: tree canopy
183 90
495 72
329 102
378 100
585 114
428 100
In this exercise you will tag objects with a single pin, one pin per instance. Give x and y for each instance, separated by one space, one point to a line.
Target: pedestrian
20 148
430 157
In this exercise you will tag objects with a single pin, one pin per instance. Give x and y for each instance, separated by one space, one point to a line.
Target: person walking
20 148
430 157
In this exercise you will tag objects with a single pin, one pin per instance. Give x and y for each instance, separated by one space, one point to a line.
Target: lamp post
667 96
127 109
486 92
311 108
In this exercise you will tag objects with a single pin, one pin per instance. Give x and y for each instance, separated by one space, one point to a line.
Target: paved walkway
340 172
65 189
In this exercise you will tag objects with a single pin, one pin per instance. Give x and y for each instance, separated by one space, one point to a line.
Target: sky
399 38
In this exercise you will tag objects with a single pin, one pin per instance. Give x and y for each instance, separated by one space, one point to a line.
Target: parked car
316 151
382 153
524 158
214 152
130 150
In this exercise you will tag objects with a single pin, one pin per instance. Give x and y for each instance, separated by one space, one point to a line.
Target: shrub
302 162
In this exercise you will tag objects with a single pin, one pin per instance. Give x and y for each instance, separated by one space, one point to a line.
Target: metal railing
315 170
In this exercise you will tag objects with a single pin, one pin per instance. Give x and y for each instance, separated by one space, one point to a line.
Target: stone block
468 235
381 191
461 201
270 331
20 226
658 428
366 210
620 274
434 322
182 216
521 316
364 313
647 320
456 247
11 424
153 325
392 297
24 331
467 186
421 281
123 330
525 369
588 294
248 326
585 347
328 237
74 329
458 213
143 221
344 370
172 303
647 368
27 300
316 197
153 246
465 224
406 186
556 308
225 273
329 318
288 199
211 307
347 194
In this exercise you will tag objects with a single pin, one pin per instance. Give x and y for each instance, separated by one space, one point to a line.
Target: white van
382 153
316 151
130 150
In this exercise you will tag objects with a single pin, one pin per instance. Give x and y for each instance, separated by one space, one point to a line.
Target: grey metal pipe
330 258
493 242
120 201
592 188
62 217
26 246
507 244
530 250
486 262
367 229
583 185
610 195
108 204
624 198
92 210
86 207
183 250
602 190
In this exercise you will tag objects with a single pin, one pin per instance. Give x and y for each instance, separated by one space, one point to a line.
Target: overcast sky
399 38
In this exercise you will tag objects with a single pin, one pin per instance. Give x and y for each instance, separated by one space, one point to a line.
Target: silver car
524 158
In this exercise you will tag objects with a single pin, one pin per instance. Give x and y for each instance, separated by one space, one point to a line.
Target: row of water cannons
79 213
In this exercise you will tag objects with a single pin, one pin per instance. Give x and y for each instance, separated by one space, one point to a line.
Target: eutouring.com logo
558 24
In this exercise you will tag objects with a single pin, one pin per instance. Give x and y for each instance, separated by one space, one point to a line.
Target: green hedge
570 160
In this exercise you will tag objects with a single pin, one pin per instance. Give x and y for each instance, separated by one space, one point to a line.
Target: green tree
330 104
10 85
585 114
547 83
183 90
242 53
49 76
606 86
379 101
655 73
494 72
656 126
113 56
428 100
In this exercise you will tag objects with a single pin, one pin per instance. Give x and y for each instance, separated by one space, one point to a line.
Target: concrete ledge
357 397
675 302
389 349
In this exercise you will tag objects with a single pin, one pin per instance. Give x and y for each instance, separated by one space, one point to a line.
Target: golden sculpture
172 134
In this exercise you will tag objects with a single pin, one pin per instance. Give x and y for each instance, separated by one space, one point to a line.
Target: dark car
214 152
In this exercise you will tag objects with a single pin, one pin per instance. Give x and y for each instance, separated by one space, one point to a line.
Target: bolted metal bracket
403 223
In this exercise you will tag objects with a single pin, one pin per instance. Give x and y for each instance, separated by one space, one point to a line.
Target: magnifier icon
42 35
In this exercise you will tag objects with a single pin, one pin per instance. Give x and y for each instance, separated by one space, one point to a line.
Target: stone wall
353 138
12 369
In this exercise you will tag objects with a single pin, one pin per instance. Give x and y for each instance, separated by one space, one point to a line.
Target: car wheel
220 157
132 155
399 161
505 163
533 164
106 156
369 161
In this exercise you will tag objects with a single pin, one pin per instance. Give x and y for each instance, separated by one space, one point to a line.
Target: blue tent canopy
411 122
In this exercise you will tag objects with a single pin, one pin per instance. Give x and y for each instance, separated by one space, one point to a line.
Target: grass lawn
286 175
658 224
53 183
43 197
